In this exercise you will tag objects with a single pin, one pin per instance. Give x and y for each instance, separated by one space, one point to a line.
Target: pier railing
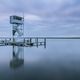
30 41
23 41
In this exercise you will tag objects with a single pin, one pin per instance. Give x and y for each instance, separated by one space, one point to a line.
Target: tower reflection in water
17 57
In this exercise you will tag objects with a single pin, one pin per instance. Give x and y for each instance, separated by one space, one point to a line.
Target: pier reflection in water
17 57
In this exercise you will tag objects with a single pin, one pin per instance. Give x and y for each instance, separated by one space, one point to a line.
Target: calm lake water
59 61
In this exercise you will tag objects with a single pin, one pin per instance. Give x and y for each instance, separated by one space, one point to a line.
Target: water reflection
17 57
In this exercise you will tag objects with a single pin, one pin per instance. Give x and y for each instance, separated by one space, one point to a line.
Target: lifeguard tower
17 27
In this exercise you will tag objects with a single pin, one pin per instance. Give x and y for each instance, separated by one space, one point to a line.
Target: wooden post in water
37 42
24 41
30 40
44 42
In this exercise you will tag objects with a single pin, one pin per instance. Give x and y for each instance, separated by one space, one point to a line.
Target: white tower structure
17 26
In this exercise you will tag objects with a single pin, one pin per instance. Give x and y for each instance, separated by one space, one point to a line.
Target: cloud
44 16
32 17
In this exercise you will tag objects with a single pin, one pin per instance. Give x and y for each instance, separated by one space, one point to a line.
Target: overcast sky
42 17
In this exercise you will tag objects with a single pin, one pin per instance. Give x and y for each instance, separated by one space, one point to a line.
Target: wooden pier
23 41
30 41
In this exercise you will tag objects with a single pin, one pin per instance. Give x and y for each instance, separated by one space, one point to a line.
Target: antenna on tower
23 23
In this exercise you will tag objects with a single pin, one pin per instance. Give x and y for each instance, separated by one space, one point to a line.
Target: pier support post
37 42
24 41
44 42
30 40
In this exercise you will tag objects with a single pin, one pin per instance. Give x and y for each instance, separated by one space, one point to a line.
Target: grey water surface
60 60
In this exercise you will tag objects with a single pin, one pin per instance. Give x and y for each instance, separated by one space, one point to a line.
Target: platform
24 42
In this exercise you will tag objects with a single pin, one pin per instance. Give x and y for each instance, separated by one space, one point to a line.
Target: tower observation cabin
16 20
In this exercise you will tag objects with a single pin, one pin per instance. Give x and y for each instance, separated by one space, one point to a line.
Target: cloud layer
43 17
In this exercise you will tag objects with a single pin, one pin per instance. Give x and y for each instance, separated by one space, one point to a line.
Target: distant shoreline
56 37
